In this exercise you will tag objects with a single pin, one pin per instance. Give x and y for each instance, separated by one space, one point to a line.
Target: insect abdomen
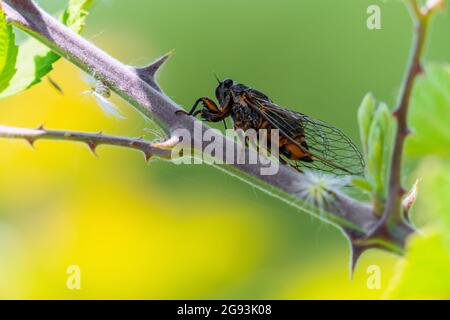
292 150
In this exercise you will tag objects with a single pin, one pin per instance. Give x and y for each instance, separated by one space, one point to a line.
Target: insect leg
225 109
207 103
190 113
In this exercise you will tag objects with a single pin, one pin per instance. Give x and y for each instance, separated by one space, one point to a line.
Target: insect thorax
244 117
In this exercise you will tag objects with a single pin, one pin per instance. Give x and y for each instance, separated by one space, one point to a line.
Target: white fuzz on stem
319 189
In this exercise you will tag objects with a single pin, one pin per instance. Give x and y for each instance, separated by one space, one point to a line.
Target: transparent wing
101 93
107 106
332 150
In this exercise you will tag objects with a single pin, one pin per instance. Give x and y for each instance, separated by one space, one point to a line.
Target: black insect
304 142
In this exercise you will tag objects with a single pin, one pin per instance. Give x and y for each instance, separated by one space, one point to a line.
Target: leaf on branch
366 113
36 60
424 271
8 52
433 206
376 125
430 114
76 14
362 184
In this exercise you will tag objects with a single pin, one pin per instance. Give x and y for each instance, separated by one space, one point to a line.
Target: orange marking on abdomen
296 152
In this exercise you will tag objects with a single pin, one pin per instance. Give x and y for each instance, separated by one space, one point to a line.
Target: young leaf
365 115
8 52
76 13
362 184
35 60
376 125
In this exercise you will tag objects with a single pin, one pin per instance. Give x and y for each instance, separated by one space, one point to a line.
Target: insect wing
101 93
331 149
108 107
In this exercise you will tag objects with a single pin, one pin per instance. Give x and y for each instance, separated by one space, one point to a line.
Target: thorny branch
139 88
394 211
92 140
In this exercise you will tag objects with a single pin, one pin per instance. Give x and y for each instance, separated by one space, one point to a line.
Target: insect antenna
217 78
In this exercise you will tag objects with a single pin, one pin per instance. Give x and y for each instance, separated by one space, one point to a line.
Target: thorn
154 66
358 245
30 141
41 127
410 199
420 70
148 73
355 253
168 144
92 146
147 156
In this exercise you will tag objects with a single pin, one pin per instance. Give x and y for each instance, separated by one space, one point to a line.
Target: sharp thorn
357 247
154 66
147 156
420 70
41 127
356 251
148 73
92 146
410 199
30 141
355 254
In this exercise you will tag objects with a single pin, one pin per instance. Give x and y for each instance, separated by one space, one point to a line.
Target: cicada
304 142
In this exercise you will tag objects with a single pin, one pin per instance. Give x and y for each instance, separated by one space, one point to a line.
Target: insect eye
228 83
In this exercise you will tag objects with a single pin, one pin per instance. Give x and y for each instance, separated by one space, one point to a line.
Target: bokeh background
161 231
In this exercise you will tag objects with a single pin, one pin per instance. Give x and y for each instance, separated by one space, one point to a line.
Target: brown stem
393 212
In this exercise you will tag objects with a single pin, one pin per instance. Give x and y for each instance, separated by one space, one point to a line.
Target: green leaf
425 270
362 184
379 147
433 203
366 112
8 52
35 60
76 13
424 273
430 114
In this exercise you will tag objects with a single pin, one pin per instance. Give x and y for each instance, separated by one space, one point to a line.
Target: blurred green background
162 231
